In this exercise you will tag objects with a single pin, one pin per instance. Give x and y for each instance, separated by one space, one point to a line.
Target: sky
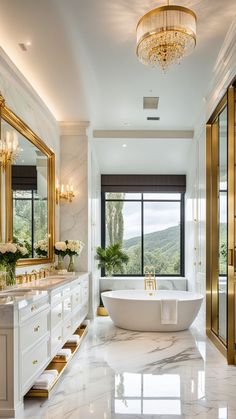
157 216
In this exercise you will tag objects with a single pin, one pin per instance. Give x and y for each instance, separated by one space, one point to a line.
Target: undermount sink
14 293
44 283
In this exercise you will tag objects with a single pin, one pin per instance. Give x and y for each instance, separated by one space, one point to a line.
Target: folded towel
44 381
64 352
73 339
86 322
169 311
51 372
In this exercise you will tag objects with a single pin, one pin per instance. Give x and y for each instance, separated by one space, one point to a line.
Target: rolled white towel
66 352
86 322
44 382
73 339
51 372
169 311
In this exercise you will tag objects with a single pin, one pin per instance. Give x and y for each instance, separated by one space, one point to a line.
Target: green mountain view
161 249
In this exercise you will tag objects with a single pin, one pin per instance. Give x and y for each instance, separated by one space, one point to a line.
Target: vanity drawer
33 329
76 298
67 329
56 298
56 315
76 319
67 306
66 291
33 308
56 340
32 363
84 294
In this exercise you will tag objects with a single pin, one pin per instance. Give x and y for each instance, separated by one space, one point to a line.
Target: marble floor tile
120 374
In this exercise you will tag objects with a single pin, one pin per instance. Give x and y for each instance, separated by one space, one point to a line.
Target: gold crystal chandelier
165 35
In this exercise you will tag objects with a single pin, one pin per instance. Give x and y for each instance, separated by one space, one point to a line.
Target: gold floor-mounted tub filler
150 279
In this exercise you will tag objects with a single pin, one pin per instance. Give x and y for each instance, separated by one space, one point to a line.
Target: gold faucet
150 281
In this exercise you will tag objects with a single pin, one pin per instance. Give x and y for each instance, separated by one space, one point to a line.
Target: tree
114 218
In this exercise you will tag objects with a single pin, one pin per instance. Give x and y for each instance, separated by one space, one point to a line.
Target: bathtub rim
110 294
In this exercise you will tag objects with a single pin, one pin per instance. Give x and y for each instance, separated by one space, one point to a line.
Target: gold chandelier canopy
165 35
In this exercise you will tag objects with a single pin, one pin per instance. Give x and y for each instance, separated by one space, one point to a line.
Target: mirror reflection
29 187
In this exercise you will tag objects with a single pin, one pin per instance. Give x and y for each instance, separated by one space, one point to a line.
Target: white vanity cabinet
32 330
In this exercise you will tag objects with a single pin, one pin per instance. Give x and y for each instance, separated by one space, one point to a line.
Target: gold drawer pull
59 315
36 328
33 308
35 362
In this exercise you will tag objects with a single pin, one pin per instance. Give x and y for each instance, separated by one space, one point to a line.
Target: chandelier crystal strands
166 35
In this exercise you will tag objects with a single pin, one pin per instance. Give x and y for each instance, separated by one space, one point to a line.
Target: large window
150 228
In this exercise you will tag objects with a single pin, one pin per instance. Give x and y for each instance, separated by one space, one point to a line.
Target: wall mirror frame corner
46 179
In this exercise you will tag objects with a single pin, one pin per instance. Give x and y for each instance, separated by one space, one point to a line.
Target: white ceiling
82 60
143 156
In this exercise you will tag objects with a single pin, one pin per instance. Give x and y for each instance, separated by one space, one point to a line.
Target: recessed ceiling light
124 145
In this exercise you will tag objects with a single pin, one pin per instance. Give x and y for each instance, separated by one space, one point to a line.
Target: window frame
182 231
32 199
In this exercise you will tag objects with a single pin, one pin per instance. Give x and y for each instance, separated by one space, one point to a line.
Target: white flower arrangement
41 247
60 248
11 252
74 247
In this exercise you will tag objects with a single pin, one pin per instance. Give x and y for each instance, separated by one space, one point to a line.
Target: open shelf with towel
59 364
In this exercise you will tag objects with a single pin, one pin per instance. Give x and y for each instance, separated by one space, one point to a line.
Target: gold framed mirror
29 190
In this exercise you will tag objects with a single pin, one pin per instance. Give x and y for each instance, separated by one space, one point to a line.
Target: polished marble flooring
119 374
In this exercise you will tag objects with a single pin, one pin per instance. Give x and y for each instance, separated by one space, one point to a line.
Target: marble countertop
20 300
25 294
52 282
141 278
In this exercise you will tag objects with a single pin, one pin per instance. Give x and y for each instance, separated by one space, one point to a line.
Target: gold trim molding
11 118
227 347
166 9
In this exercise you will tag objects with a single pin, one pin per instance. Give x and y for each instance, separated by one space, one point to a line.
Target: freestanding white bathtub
141 309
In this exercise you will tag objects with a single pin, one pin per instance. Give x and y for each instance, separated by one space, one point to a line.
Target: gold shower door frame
212 225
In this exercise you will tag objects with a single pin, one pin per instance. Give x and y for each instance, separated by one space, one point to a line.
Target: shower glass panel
222 223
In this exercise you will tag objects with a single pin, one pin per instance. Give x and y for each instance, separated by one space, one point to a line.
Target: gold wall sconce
64 192
9 149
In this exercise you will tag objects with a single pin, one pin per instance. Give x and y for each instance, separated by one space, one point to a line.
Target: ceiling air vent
22 46
153 118
150 102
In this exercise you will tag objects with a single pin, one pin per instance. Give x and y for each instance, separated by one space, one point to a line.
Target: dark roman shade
143 183
24 178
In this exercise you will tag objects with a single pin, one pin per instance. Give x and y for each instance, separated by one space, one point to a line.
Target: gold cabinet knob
33 307
59 315
59 338
36 328
35 362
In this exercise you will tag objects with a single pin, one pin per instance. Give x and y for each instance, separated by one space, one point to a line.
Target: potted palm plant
111 258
